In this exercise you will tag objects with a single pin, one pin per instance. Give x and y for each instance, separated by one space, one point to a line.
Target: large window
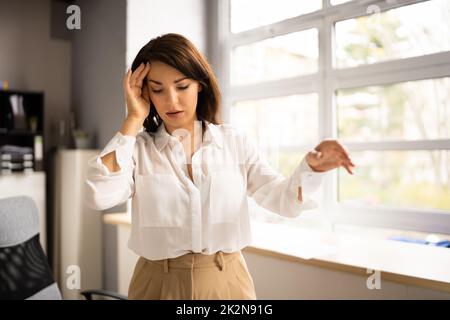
375 75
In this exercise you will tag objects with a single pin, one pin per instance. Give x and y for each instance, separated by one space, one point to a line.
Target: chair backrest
24 269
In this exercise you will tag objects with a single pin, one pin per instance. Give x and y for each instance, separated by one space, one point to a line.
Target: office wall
98 62
31 59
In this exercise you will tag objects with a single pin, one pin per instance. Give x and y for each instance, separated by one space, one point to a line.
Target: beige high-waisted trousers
193 276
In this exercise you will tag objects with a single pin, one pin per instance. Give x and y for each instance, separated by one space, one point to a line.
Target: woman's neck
196 130
193 128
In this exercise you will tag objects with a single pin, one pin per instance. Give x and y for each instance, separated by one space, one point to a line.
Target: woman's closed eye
160 90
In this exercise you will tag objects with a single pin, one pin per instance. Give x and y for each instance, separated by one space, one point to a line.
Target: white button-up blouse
173 215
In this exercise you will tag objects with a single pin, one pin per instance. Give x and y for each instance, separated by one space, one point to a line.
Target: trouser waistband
197 260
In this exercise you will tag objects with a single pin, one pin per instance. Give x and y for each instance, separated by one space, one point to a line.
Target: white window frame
325 82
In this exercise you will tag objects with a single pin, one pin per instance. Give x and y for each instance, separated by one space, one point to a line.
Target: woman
189 177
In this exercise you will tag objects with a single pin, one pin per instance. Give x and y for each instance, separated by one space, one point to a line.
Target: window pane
415 110
281 121
249 14
414 179
408 31
276 58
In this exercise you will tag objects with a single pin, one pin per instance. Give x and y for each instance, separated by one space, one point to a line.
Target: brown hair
180 53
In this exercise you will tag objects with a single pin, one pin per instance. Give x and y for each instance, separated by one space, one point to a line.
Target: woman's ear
200 87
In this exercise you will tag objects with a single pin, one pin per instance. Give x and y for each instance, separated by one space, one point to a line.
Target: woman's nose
172 97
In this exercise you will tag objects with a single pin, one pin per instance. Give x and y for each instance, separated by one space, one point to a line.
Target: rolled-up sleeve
273 191
105 189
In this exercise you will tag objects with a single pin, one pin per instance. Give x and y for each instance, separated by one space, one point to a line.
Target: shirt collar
212 135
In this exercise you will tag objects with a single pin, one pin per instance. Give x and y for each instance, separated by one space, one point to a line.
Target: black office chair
24 269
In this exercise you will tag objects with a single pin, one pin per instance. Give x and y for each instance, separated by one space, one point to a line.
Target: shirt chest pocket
161 201
227 197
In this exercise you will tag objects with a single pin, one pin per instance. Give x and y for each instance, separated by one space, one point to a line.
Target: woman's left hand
328 155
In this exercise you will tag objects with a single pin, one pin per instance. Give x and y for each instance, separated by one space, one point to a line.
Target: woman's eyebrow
176 81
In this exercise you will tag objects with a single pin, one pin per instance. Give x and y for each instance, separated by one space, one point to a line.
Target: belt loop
221 261
166 265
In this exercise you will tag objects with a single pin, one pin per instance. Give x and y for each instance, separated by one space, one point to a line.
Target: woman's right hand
136 94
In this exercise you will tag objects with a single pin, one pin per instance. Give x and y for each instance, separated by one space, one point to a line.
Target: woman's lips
175 114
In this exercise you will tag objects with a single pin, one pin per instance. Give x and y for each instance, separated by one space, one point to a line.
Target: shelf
19 132
17 110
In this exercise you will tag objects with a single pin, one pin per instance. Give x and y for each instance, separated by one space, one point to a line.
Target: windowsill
406 263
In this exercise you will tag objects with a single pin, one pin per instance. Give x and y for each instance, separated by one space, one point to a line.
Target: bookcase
21 131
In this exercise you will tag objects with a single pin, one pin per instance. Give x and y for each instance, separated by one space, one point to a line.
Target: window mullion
269 89
327 118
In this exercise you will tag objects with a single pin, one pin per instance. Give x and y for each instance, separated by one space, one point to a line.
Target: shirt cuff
306 178
124 147
308 204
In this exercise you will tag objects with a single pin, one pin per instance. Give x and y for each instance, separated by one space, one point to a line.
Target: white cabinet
28 184
126 259
77 228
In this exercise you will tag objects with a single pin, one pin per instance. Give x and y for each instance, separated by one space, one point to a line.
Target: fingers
343 152
351 163
347 164
347 158
332 145
135 74
126 81
341 148
138 75
348 167
343 160
316 154
145 94
312 158
143 74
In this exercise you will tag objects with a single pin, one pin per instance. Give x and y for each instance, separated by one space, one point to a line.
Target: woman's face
173 95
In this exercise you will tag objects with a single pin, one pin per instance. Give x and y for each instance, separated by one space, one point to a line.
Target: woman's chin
175 122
